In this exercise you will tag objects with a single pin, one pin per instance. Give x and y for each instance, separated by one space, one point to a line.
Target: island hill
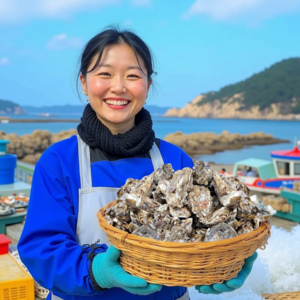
271 94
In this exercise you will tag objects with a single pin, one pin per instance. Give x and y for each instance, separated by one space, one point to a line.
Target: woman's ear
83 83
149 84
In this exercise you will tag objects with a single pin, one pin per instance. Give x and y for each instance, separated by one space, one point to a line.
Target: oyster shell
245 228
202 173
232 199
146 231
129 186
219 216
164 172
219 232
200 201
221 186
266 213
183 212
257 201
145 186
237 184
178 187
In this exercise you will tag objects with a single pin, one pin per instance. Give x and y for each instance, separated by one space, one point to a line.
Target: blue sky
199 45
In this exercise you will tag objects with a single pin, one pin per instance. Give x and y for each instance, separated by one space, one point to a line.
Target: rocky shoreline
29 147
210 142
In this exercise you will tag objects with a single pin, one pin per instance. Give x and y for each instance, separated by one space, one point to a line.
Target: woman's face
117 88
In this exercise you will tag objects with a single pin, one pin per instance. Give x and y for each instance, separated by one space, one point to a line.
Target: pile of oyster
189 205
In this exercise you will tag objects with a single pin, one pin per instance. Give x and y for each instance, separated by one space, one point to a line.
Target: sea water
287 130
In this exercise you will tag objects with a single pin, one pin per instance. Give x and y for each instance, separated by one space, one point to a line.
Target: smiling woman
116 87
76 177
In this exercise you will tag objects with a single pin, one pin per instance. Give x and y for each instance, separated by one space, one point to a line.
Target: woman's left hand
232 284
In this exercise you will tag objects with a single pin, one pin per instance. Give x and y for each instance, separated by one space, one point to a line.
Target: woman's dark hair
115 36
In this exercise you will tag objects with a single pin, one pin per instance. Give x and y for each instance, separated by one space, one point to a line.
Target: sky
198 45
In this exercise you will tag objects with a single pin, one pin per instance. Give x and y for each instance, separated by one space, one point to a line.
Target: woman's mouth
117 103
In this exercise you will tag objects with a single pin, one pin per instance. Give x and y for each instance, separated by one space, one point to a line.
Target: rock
210 142
29 147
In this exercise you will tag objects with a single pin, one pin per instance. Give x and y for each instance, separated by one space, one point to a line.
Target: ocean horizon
287 130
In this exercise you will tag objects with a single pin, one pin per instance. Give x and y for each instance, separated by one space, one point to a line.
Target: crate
293 198
15 283
40 291
4 241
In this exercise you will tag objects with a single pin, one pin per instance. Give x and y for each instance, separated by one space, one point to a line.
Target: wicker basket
282 296
183 264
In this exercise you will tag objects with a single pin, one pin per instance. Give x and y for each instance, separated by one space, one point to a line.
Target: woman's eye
133 75
104 74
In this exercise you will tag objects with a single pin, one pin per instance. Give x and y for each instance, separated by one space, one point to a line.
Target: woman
77 176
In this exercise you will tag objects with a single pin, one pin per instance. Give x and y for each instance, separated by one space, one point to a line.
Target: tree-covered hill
9 107
278 84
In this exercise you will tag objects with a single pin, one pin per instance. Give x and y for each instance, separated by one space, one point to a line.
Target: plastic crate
4 241
40 291
15 283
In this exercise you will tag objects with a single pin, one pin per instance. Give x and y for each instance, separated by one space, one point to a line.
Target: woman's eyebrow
110 66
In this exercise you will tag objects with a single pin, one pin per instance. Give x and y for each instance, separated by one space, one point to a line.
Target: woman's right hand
108 273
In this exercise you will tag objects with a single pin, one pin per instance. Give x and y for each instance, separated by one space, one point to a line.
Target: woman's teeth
115 102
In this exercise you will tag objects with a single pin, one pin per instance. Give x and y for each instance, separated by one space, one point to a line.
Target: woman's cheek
139 89
98 85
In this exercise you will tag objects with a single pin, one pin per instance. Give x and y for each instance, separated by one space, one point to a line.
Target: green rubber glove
108 273
232 284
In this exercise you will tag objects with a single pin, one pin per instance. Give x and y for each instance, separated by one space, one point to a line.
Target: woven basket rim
142 241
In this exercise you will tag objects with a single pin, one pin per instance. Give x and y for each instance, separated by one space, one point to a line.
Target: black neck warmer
137 140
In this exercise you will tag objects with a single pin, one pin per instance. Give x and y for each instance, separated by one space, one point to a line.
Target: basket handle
123 238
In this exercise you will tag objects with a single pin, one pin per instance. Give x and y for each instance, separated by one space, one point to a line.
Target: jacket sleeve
48 245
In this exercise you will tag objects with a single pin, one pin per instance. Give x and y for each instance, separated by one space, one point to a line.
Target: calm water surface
163 126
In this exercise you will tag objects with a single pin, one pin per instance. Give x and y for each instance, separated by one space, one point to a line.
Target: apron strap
84 164
156 157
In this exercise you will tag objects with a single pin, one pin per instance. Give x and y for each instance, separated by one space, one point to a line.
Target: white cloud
62 41
16 11
4 61
252 11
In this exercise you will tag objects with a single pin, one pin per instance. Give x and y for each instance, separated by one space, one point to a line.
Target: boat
270 176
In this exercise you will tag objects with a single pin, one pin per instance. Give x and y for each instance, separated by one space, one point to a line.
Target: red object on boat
292 154
4 241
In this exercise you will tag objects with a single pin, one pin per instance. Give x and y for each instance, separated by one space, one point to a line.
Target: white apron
91 199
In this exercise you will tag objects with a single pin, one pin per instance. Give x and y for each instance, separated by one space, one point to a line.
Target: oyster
178 187
245 228
266 213
246 208
219 216
200 201
164 172
237 184
128 187
219 232
145 186
146 231
232 199
257 201
202 173
221 186
197 236
183 212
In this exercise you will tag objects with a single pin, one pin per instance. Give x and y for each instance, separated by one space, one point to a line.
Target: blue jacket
48 245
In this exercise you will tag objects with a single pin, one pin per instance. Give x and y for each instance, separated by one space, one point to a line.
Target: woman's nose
118 86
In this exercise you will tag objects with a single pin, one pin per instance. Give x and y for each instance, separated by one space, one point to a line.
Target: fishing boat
270 176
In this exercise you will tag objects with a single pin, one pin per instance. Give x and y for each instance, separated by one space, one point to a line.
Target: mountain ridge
271 94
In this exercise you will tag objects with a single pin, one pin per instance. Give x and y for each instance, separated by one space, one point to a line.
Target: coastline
9 120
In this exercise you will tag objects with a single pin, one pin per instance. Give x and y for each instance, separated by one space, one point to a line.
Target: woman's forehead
120 55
